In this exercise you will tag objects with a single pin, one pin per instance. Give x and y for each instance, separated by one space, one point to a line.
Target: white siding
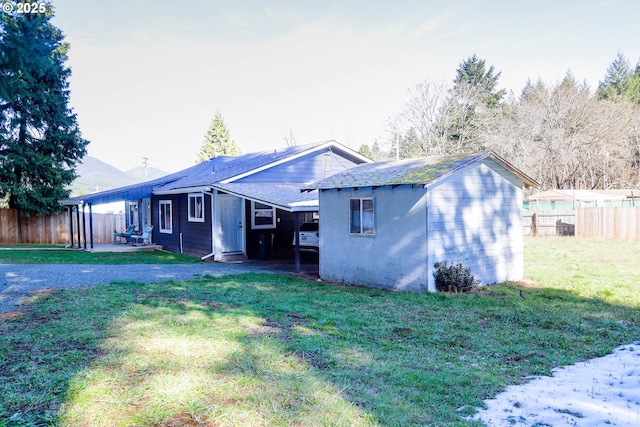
394 257
475 217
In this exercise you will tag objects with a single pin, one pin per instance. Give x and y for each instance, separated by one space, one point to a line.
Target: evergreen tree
473 106
473 72
621 82
374 152
40 142
217 141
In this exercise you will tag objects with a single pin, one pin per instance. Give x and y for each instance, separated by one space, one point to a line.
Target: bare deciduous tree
566 138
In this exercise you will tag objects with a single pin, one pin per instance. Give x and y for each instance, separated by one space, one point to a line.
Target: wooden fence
55 229
549 223
608 222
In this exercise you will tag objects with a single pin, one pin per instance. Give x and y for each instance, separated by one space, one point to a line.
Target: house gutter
183 190
213 225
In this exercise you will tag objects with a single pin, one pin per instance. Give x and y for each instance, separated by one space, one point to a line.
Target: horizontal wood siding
196 236
169 242
394 257
304 169
475 218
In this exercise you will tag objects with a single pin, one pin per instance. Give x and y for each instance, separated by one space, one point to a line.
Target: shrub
454 278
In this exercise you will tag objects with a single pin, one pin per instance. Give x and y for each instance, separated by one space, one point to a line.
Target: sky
149 76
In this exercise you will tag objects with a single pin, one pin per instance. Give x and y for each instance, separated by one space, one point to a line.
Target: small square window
262 216
196 207
362 216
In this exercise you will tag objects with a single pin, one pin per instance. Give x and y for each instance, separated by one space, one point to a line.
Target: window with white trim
262 216
362 216
166 219
196 207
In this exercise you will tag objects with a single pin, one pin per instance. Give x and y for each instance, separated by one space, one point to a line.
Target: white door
231 223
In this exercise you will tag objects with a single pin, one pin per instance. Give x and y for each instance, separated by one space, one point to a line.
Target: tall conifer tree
217 141
621 82
40 142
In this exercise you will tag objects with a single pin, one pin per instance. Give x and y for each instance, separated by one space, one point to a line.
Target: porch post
91 225
84 228
70 209
78 225
296 227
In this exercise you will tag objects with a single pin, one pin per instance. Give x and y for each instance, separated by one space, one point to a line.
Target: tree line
564 135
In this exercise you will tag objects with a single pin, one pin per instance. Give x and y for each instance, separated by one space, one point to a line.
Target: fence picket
54 229
608 222
599 222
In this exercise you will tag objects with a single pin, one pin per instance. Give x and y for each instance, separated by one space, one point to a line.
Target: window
196 207
362 216
166 224
262 216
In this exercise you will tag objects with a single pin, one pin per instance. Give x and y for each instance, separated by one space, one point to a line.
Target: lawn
30 254
277 350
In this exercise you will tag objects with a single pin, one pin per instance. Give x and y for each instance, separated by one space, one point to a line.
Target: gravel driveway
17 281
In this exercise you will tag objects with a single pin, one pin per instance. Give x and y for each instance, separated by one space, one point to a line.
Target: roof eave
528 181
292 207
183 190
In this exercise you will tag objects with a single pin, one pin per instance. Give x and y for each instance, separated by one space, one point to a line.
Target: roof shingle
422 171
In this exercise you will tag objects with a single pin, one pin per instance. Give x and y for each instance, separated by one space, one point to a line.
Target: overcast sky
148 76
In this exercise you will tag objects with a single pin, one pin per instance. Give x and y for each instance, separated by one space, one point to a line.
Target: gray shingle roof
284 196
222 168
214 171
422 171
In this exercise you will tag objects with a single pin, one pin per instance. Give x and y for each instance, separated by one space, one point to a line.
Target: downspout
213 226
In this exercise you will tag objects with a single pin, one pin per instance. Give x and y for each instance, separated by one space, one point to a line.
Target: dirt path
18 281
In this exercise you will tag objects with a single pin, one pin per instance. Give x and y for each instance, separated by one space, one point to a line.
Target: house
386 224
571 199
231 206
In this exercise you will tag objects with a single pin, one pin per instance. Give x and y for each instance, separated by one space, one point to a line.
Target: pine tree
217 141
473 72
621 82
40 142
475 101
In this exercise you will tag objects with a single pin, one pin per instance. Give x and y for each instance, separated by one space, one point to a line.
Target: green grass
75 256
275 350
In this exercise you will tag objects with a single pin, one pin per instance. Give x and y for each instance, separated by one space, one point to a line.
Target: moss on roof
409 171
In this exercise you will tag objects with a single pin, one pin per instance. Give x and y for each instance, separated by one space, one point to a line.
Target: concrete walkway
18 281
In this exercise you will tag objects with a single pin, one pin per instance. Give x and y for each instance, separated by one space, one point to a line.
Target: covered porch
274 213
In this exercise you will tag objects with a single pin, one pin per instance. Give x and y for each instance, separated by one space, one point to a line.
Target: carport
283 196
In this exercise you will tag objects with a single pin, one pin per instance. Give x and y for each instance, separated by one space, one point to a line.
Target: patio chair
126 235
144 238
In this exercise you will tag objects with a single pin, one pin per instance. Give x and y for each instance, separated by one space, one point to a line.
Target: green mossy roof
401 172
